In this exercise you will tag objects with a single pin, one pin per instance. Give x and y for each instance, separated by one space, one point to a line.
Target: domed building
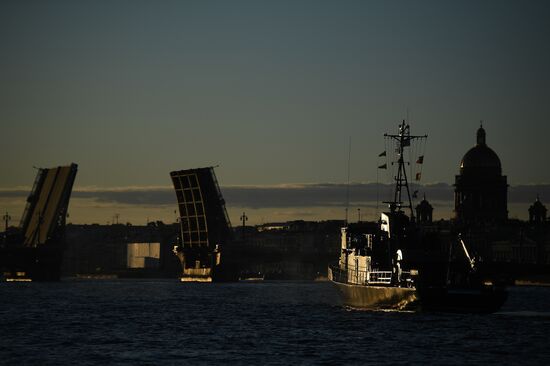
480 189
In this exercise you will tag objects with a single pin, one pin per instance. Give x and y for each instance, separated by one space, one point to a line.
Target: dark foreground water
164 322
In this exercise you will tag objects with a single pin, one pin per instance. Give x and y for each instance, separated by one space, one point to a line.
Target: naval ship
373 271
34 250
401 264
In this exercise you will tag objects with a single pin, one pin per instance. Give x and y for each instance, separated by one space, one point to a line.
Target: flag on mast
383 153
420 159
383 166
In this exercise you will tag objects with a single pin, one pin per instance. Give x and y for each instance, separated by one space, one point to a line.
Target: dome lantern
481 134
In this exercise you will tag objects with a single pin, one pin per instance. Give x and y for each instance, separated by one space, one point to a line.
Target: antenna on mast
347 187
403 139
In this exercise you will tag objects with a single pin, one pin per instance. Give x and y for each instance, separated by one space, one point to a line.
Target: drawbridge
47 205
35 250
205 230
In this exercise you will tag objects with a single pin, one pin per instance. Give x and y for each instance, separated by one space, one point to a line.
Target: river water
137 322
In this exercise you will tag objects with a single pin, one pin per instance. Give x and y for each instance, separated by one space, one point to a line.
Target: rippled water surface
166 322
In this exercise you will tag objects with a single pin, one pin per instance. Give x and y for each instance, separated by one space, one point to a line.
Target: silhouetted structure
537 212
424 212
480 188
205 230
35 250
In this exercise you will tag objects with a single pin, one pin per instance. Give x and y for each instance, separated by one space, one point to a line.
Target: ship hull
31 264
376 297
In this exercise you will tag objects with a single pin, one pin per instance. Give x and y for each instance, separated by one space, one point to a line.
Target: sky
272 92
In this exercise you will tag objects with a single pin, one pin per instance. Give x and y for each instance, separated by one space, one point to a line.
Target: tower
480 189
424 212
537 212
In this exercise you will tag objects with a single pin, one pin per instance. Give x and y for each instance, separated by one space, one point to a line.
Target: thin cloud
145 196
286 195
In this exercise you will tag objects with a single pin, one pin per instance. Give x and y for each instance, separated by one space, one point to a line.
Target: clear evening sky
269 90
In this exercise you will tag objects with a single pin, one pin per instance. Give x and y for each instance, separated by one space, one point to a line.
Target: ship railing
379 277
361 277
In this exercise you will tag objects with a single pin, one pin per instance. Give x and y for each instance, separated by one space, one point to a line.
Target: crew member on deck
397 266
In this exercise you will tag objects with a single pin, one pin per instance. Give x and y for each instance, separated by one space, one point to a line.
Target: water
135 322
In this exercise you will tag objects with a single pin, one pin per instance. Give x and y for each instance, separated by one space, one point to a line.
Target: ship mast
403 139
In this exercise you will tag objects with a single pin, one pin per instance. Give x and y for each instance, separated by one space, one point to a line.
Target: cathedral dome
481 157
480 188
